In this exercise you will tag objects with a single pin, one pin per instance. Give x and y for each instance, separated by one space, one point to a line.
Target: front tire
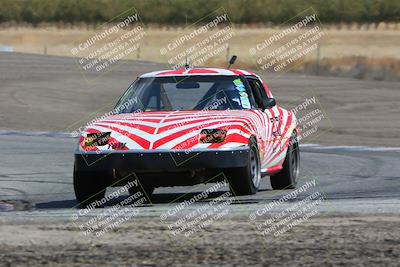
246 180
146 190
287 177
89 187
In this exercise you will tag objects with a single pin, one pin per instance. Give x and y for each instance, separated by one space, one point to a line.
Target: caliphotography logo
203 128
93 219
95 136
109 45
294 42
188 216
287 210
202 42
312 118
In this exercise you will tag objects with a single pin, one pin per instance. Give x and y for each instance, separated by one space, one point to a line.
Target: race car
189 126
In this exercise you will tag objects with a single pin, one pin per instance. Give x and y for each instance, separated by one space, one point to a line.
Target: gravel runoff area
338 240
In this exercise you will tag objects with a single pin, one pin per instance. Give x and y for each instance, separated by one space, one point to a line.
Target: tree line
181 12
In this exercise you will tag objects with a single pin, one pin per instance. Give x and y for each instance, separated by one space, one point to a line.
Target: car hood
173 130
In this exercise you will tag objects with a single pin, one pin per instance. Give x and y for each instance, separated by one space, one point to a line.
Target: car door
273 120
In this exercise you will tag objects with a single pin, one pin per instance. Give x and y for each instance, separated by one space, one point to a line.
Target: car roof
198 71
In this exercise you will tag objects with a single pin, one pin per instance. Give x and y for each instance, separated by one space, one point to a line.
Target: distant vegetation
182 11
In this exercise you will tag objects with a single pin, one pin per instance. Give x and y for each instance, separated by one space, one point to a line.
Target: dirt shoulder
321 241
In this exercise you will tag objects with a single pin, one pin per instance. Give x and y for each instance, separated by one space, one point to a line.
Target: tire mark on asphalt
16 99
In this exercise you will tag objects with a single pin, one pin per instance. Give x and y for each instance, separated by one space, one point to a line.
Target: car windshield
186 93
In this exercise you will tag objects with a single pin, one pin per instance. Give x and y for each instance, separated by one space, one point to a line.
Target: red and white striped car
184 127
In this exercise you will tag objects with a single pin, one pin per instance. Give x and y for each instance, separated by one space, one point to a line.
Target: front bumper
159 161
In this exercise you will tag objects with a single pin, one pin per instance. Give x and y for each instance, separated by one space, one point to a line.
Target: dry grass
339 49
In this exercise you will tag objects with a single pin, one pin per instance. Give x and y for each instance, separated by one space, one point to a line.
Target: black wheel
287 177
147 190
89 188
246 180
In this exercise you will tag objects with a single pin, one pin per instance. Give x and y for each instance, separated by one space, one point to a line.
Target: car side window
260 88
256 92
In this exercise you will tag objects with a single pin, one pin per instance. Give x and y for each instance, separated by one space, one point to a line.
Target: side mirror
269 102
232 61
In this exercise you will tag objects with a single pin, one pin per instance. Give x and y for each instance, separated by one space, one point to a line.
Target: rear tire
287 177
246 180
89 187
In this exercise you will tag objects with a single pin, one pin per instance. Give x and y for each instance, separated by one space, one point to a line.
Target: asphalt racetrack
38 169
353 163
